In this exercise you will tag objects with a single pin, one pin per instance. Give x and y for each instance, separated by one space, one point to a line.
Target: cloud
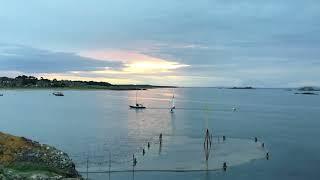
134 62
270 43
31 60
115 66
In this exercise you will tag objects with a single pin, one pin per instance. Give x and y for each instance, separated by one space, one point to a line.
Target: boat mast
173 100
136 97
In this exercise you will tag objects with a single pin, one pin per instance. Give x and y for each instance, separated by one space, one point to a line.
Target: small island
246 87
31 82
308 88
22 158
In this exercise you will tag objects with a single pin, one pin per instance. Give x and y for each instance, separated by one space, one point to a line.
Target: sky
273 43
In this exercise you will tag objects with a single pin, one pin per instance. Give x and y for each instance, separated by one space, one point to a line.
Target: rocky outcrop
22 158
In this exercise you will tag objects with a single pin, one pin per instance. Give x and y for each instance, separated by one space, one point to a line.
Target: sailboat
137 105
172 105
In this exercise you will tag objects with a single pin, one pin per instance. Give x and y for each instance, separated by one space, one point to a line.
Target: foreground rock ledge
22 158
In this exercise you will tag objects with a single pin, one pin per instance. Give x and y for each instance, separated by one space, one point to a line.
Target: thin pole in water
87 167
133 164
109 164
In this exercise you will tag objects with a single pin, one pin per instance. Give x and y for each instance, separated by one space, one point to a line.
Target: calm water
94 123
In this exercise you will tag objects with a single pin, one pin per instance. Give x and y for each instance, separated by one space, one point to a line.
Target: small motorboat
137 106
58 94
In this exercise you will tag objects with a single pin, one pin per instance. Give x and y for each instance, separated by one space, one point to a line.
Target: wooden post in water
207 146
133 165
109 164
87 167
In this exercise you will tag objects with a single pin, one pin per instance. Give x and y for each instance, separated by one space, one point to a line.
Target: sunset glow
152 67
134 62
204 43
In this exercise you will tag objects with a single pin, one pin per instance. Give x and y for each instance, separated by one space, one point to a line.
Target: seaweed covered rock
22 158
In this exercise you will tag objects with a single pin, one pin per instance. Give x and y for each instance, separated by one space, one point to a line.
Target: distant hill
33 82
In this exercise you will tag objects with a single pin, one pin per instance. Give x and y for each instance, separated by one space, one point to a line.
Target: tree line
24 81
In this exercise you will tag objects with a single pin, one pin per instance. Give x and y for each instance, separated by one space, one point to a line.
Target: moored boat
137 105
58 94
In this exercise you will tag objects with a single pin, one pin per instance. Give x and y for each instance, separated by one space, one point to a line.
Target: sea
100 132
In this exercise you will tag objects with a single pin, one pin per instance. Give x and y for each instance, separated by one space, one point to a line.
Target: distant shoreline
30 82
115 88
136 88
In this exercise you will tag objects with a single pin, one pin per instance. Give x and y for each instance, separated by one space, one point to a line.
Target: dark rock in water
22 158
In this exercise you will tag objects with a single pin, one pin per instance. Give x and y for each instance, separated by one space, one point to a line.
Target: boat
58 94
137 105
1 94
172 105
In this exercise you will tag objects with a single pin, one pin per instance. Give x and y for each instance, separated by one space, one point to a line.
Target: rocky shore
22 158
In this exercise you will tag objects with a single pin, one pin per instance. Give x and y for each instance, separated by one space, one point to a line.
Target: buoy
224 166
134 160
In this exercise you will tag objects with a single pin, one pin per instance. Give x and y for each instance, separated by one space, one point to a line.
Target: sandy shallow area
182 153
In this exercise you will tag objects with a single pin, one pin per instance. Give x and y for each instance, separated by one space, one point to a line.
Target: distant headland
247 87
307 90
42 83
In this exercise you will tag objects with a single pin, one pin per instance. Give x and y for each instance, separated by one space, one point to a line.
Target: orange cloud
134 62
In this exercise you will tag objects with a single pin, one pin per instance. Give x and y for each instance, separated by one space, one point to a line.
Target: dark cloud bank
31 60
